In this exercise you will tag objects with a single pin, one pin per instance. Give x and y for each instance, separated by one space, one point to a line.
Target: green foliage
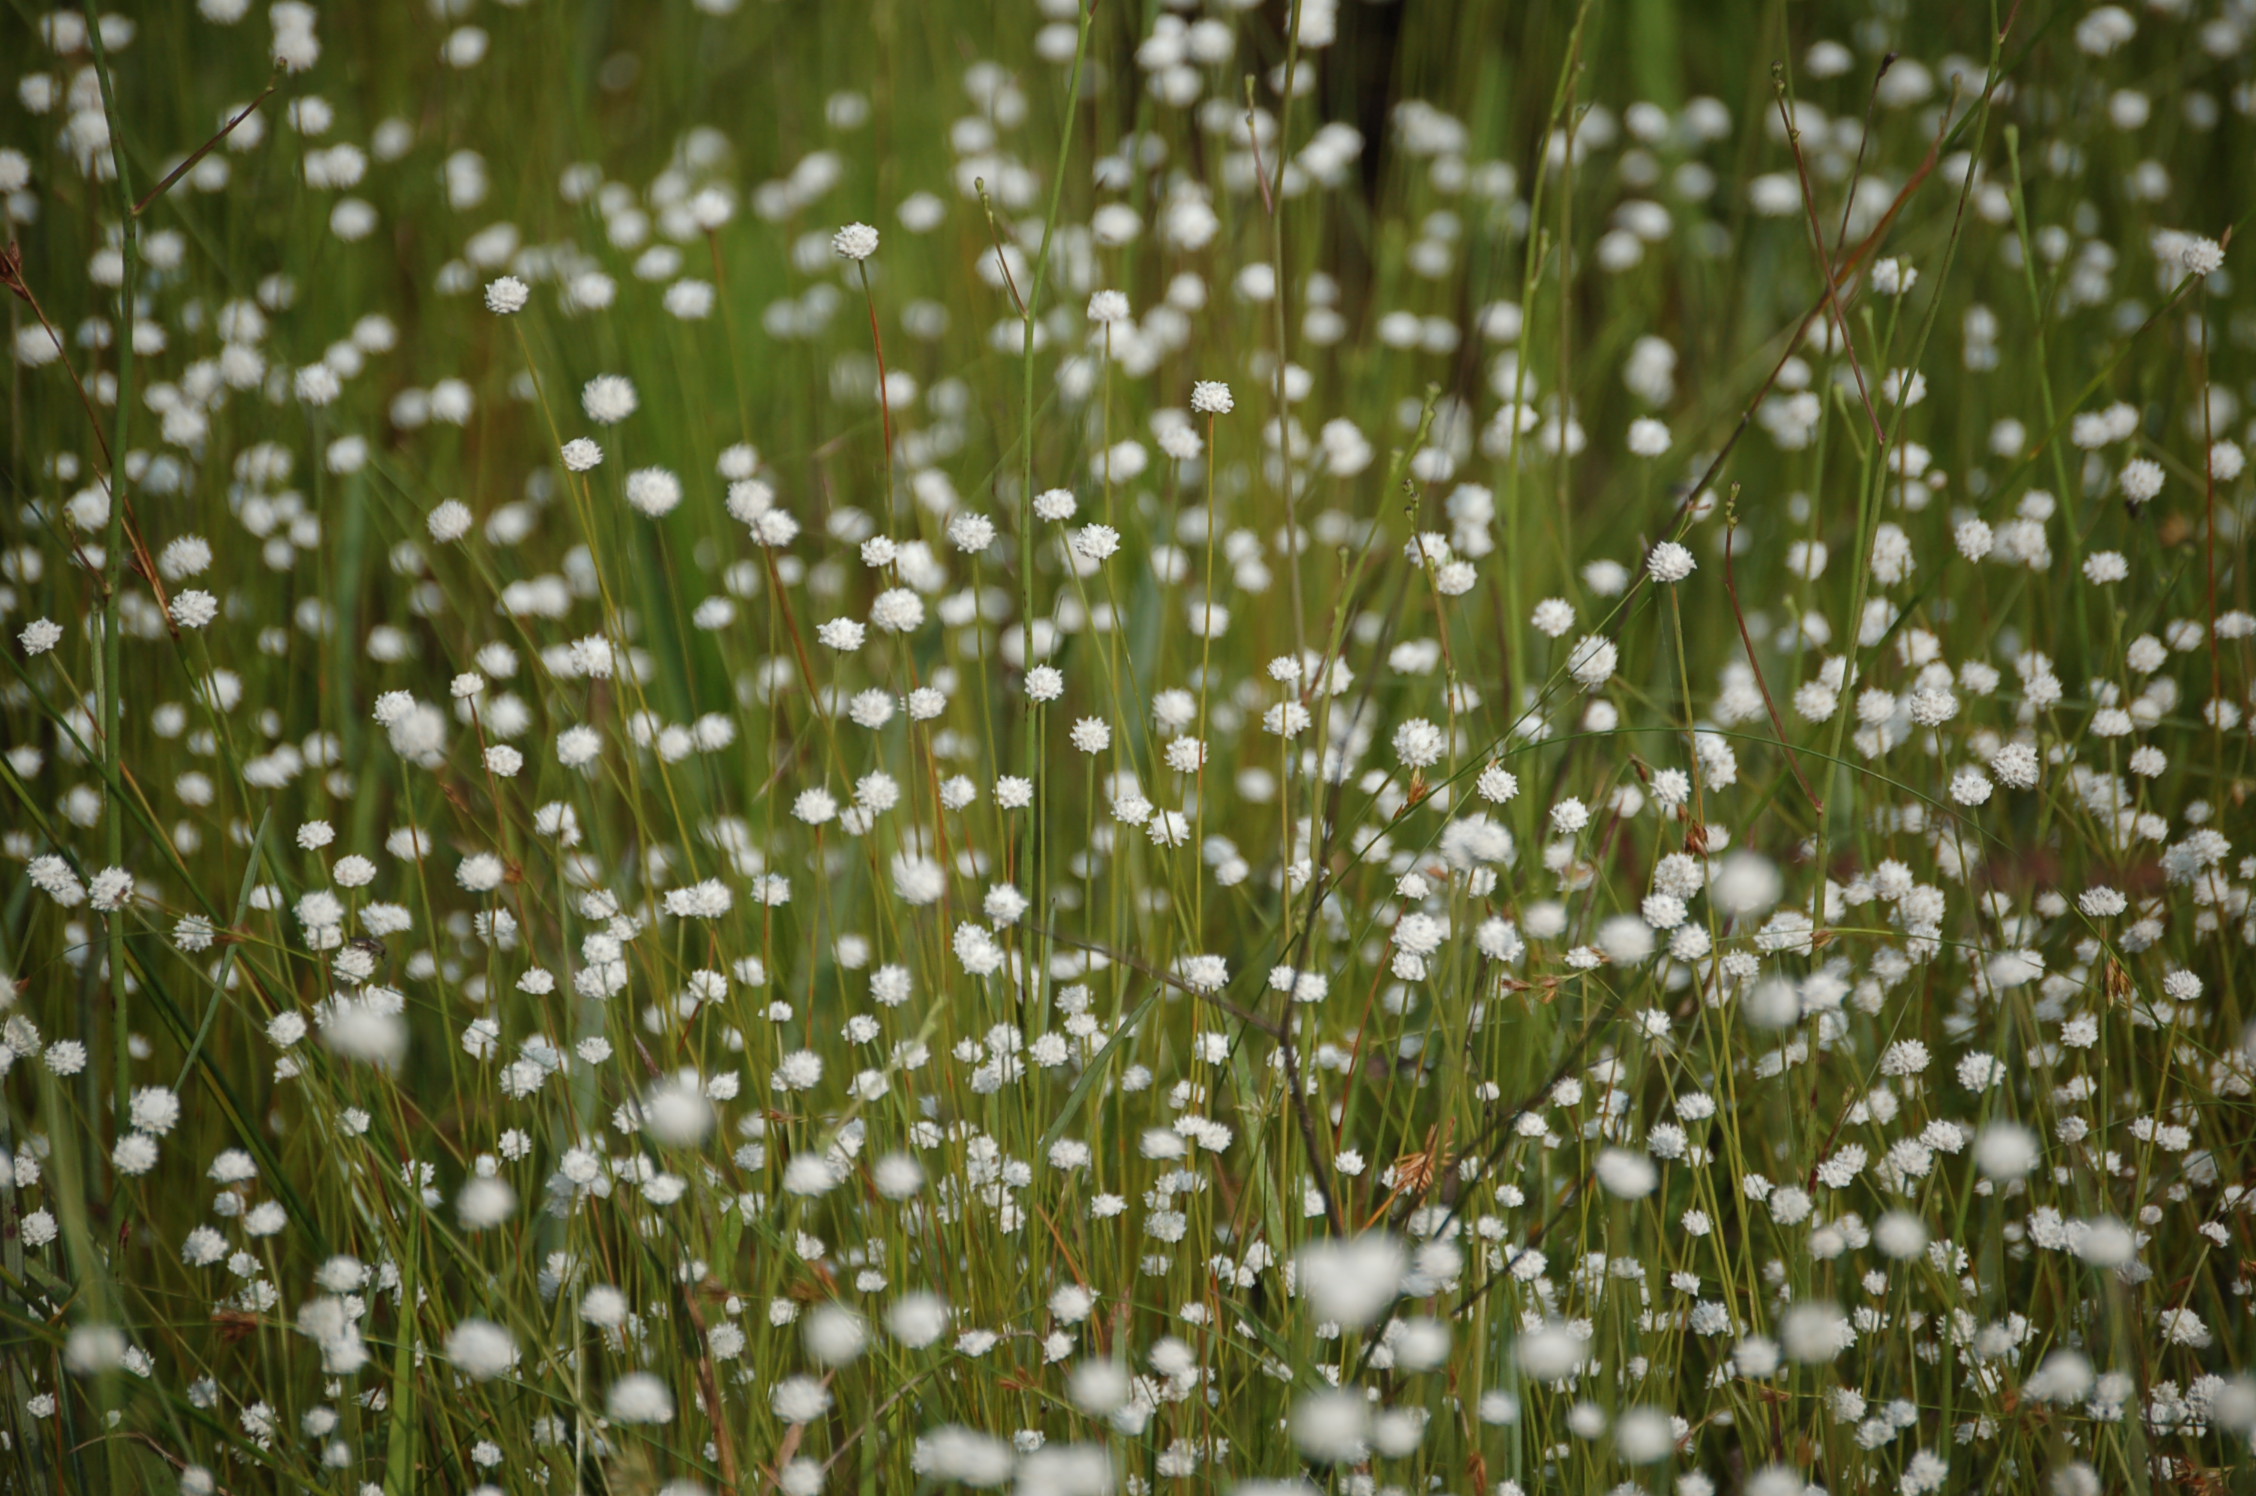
1531 774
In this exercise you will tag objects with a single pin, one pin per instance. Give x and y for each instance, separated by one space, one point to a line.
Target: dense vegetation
1270 747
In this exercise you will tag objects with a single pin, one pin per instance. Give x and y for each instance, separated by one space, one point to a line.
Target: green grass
1654 1022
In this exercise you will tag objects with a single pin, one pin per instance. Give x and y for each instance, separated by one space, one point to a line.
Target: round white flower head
1351 1280
2103 1242
93 1349
675 1112
835 1334
2006 1150
580 455
194 608
1814 1331
856 241
653 490
1211 397
1419 743
603 1306
1669 562
2141 479
1553 617
799 1399
450 521
917 1319
481 1349
639 1397
507 296
972 533
2202 257
1626 1174
1551 1351
317 384
1592 661
484 1203
608 399
1106 307
1643 1436
1900 1235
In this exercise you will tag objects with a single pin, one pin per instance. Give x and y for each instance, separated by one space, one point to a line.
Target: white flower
194 608
318 385
1626 1174
841 634
639 1397
481 1349
1552 1351
917 1319
507 295
93 1348
1351 1280
2006 1150
1669 562
2183 1327
449 521
1211 397
367 1031
856 241
2141 479
653 490
799 1399
896 610
1592 662
608 399
1418 743
707 900
971 533
155 1109
2202 257
484 1203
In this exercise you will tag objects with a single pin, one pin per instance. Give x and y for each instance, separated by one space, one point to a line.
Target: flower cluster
1275 809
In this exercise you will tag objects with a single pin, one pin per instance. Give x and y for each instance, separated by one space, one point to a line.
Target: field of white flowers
1250 746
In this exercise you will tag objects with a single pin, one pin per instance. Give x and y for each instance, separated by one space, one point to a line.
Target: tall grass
1447 747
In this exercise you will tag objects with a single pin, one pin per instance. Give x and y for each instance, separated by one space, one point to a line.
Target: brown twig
1253 139
1002 262
13 278
1243 1015
1747 640
1840 272
200 152
163 1453
1839 318
708 1389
